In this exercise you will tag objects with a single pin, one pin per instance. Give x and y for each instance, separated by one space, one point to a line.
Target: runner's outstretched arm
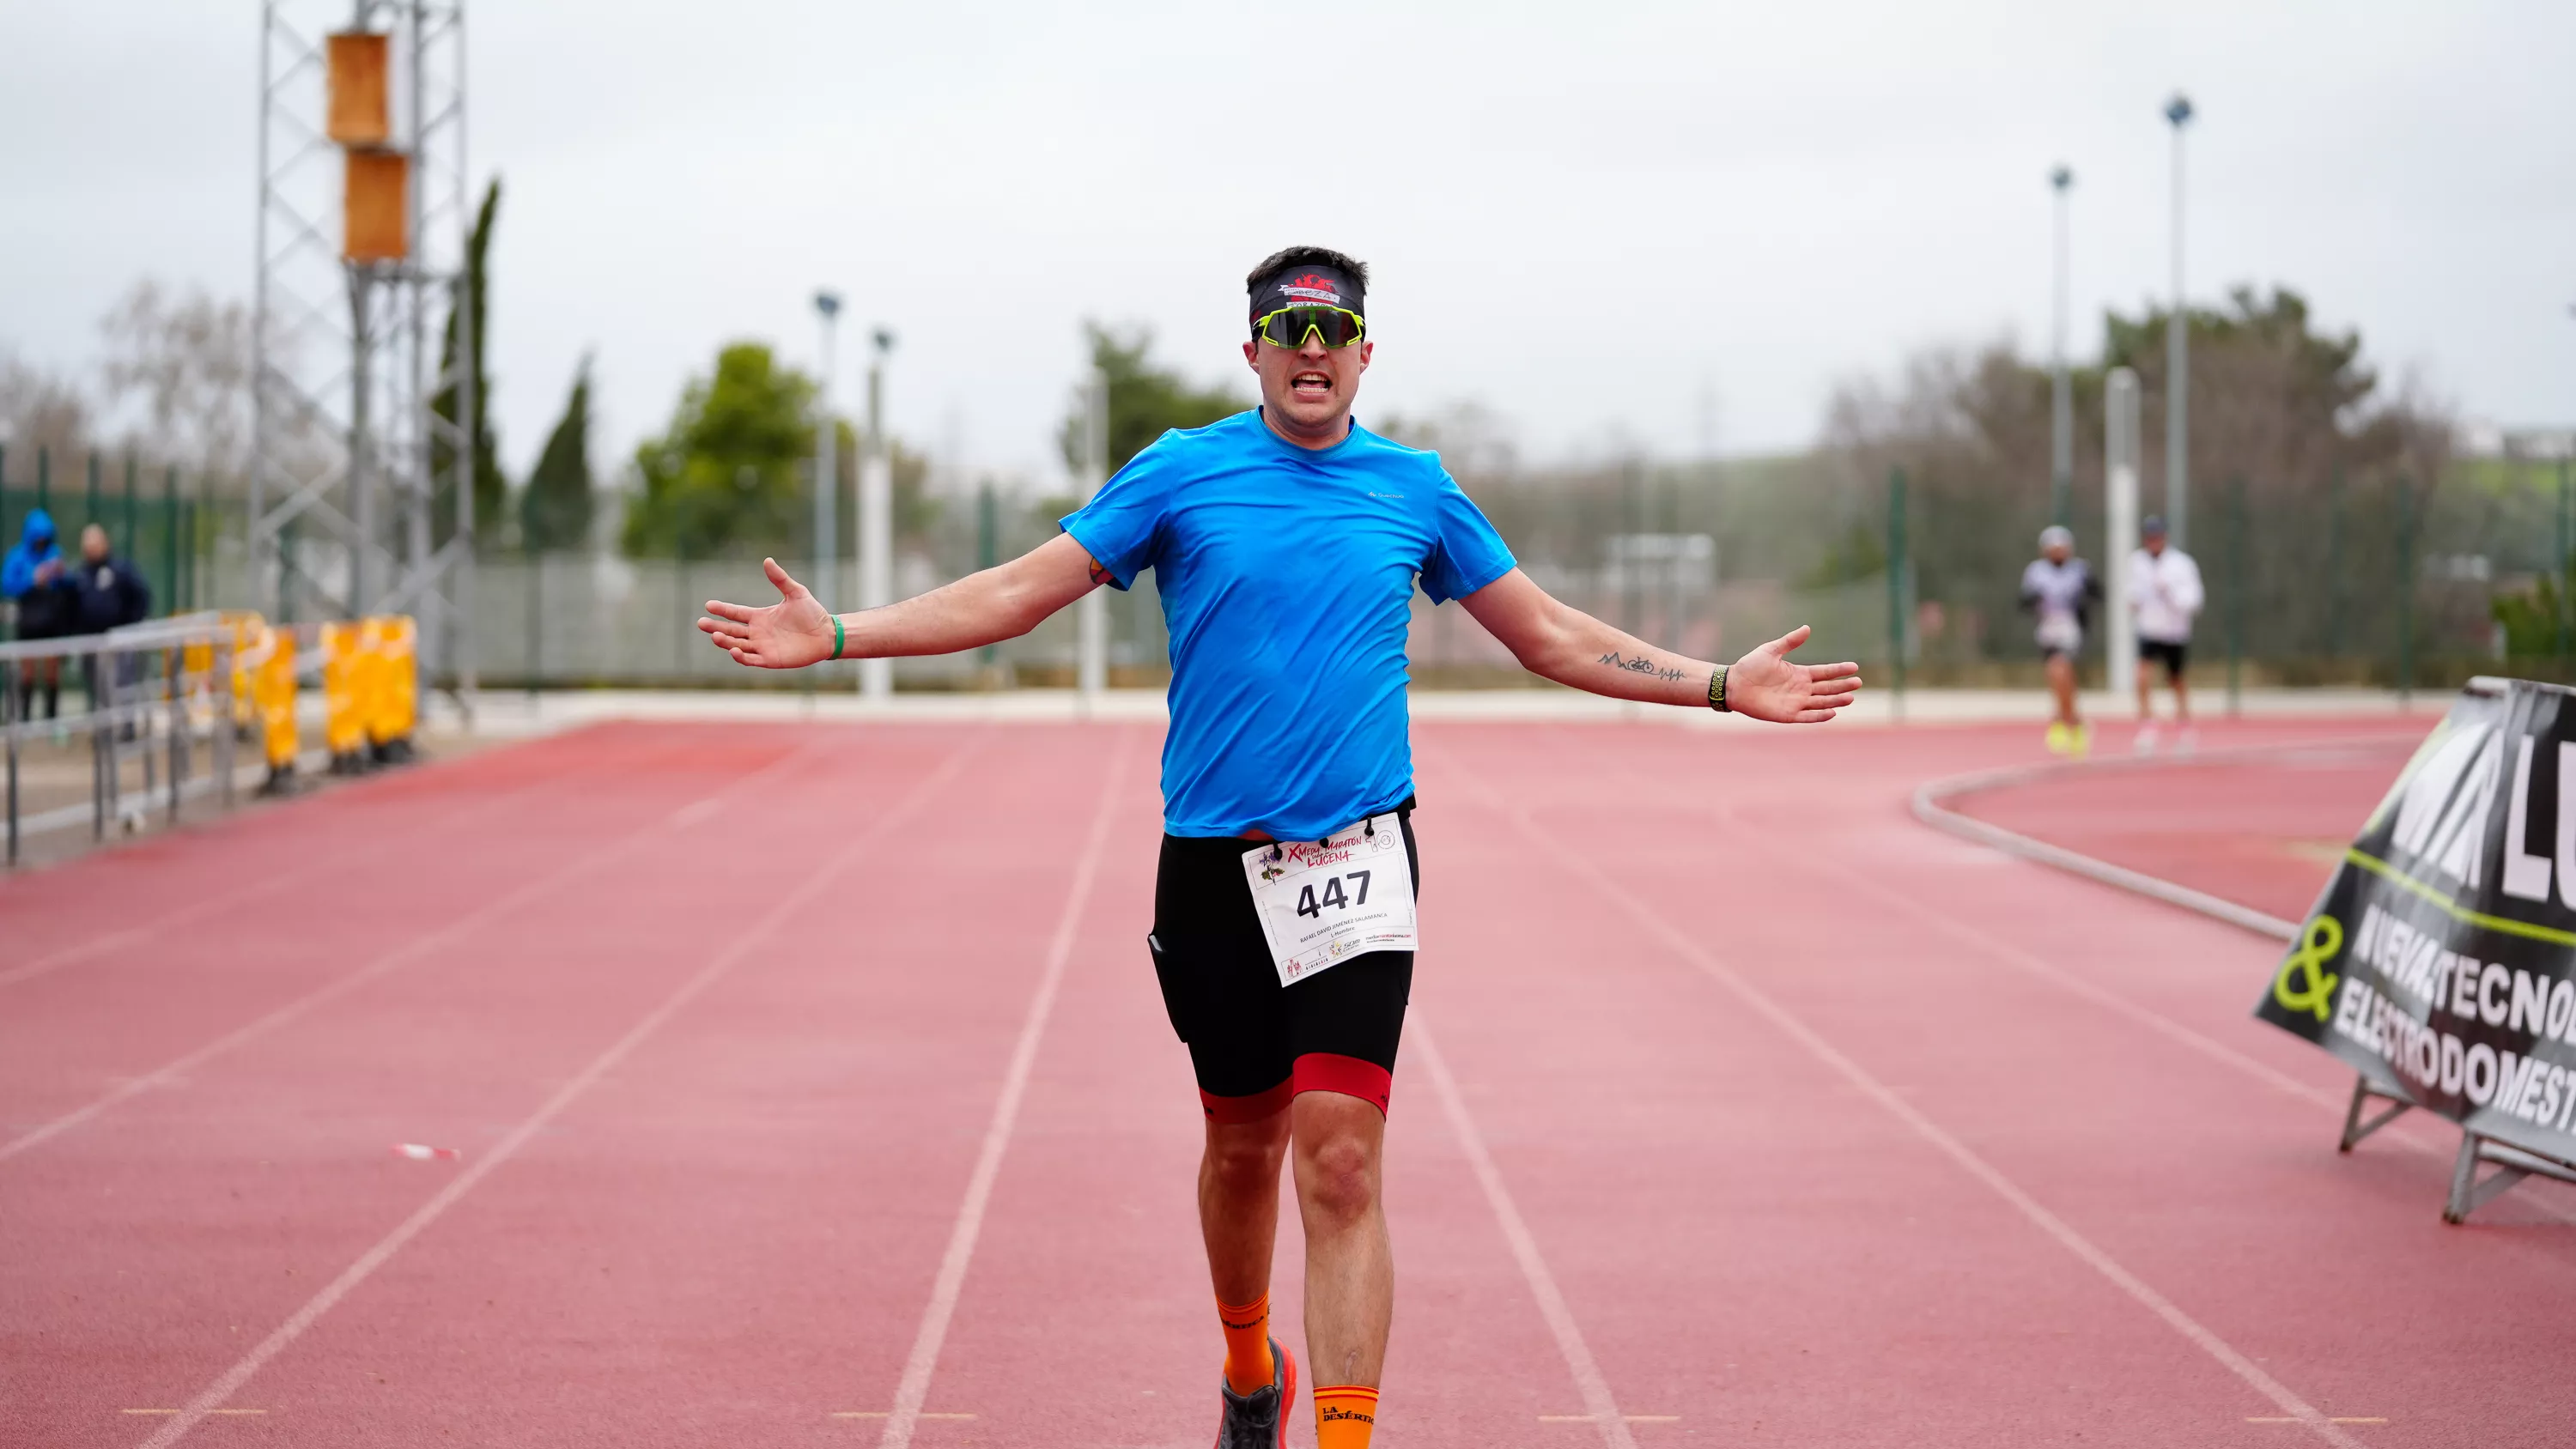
1557 641
1002 602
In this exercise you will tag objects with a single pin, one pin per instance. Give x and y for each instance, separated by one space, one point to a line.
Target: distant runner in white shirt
2060 589
2164 594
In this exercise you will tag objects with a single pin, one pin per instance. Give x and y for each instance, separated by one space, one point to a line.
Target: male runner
2060 589
1286 542
2164 595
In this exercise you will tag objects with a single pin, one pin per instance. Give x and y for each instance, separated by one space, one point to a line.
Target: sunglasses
1288 326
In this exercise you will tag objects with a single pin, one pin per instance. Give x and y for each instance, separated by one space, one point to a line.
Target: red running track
806 1078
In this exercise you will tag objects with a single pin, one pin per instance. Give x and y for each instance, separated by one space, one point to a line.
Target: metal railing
152 690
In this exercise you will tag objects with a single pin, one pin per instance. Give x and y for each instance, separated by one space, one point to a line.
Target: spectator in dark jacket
32 578
108 592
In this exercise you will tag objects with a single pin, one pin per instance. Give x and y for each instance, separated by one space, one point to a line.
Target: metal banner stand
2469 1192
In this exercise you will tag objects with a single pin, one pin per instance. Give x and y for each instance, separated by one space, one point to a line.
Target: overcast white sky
1579 215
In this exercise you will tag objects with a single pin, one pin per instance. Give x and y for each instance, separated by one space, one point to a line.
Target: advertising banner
2441 959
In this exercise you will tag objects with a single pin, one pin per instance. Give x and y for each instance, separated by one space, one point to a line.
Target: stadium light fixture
827 456
2061 446
2177 358
876 514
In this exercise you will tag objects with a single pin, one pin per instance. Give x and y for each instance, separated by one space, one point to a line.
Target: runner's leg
1239 1221
2061 683
1350 1266
1223 998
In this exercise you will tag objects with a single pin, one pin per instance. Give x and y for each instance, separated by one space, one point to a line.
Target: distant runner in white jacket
2165 595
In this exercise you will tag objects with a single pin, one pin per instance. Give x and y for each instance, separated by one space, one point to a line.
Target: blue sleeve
17 573
1467 553
1122 526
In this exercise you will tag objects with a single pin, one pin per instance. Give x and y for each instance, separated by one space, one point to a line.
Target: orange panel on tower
376 207
361 107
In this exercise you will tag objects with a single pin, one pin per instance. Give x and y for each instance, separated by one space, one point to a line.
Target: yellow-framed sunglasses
1289 326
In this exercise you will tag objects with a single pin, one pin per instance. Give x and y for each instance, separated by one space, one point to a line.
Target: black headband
1310 285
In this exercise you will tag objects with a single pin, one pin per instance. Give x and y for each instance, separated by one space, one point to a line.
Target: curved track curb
1931 806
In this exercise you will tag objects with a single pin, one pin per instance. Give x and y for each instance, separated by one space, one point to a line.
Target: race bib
1322 902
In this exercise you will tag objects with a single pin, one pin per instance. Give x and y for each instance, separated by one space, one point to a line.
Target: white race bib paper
1322 902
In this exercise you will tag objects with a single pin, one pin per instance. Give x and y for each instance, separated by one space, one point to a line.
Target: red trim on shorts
1259 1107
1350 1076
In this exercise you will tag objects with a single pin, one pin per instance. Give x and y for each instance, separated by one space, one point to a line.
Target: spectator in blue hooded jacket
33 579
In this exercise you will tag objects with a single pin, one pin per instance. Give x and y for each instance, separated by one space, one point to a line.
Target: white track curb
1931 806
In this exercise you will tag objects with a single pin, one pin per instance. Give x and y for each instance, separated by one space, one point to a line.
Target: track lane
79 1048
2189 1176
1751 1244
1087 1318
199 1216
106 902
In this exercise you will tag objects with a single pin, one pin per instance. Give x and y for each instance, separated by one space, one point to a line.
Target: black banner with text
2441 959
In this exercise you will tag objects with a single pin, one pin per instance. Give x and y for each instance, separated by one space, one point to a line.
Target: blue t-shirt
1287 581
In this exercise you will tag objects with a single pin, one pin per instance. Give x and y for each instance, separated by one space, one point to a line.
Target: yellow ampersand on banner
2324 941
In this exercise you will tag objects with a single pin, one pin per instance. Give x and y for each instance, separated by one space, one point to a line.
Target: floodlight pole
2119 526
827 459
2061 445
2177 359
1091 615
876 518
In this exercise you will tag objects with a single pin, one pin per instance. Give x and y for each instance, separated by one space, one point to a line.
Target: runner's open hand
790 634
1768 684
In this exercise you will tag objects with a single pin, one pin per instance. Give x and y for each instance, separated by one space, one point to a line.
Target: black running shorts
1254 1043
2173 655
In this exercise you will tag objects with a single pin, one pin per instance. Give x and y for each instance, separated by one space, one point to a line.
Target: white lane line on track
385 962
84 949
1939 1138
923 1361
823 876
1599 1406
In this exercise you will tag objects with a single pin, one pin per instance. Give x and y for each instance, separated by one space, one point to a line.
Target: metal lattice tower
347 365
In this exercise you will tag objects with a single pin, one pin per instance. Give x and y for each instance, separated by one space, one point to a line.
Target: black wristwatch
1717 691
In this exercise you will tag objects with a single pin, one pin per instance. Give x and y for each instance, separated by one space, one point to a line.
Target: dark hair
1287 257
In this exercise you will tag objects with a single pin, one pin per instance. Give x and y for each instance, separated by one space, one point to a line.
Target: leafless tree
181 361
40 409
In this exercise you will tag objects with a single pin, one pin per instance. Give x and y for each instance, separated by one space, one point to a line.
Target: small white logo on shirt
1373 493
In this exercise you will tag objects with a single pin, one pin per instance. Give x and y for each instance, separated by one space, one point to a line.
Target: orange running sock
1344 1416
1248 1366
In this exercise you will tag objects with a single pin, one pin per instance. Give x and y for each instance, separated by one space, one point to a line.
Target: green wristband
838 637
1717 691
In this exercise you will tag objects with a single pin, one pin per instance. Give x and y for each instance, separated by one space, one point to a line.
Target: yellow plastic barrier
394 699
272 654
199 661
370 689
344 721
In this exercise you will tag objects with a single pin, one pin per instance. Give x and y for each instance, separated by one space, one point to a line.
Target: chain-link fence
2374 578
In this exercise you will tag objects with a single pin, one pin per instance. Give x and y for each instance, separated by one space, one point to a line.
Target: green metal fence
151 515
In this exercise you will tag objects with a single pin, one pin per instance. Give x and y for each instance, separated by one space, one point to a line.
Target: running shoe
1259 1420
2079 742
2146 741
2057 737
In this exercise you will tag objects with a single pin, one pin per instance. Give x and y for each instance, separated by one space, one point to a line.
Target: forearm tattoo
1640 664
